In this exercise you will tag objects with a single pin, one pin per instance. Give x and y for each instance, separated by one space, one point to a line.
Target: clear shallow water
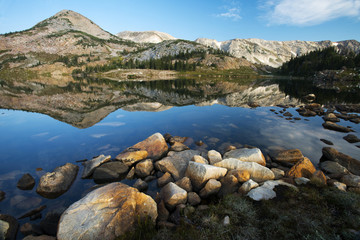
32 140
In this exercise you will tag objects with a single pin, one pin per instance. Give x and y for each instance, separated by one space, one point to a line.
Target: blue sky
281 20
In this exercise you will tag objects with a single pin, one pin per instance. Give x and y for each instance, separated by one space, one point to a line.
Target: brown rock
211 187
193 199
185 183
229 184
163 212
26 182
178 147
303 168
353 165
131 173
241 175
106 213
199 159
288 156
155 145
140 185
336 127
165 179
351 138
144 168
331 117
131 157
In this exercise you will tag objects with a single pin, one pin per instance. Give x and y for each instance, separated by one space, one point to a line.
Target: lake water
46 125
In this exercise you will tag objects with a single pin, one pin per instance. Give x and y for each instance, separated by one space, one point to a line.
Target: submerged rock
106 213
90 166
351 138
258 173
247 155
351 164
200 173
26 182
2 195
53 184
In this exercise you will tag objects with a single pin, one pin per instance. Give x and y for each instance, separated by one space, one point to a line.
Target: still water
45 126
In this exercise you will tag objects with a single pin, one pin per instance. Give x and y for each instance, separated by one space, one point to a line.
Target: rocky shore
185 179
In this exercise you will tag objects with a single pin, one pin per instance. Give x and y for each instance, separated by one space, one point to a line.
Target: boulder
258 173
140 185
110 171
8 227
351 138
106 213
193 199
247 155
247 186
331 118
211 187
178 147
333 168
53 184
287 156
336 127
278 173
303 168
200 173
266 192
351 180
155 145
199 159
173 195
164 179
131 156
185 183
241 176
26 182
90 166
144 168
214 157
351 164
176 163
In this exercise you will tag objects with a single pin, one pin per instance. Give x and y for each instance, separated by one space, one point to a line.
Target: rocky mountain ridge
145 37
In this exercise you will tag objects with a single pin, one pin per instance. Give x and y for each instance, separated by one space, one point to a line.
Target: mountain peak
146 36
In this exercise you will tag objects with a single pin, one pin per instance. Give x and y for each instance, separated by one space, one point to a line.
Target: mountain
145 37
274 53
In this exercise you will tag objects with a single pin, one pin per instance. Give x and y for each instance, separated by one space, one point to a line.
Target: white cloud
231 13
100 135
309 12
111 124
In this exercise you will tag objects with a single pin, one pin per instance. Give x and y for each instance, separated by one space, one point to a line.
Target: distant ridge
146 36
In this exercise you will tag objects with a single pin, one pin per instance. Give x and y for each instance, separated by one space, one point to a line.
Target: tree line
326 59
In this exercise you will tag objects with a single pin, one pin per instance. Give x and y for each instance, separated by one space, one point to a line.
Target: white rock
266 192
340 186
214 157
90 166
247 155
173 195
247 186
200 173
226 221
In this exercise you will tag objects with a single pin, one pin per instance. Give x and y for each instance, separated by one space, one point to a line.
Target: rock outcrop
145 37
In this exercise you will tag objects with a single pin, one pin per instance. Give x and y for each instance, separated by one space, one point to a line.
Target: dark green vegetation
310 213
326 59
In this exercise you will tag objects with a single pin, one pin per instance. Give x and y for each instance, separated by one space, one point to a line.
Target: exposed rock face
145 37
176 163
26 182
289 156
271 53
55 183
106 213
129 156
258 173
173 195
90 166
200 173
351 164
155 145
303 168
247 155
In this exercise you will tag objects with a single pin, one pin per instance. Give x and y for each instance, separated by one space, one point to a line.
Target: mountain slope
145 37
274 53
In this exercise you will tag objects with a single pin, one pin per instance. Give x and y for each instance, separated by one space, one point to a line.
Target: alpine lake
47 123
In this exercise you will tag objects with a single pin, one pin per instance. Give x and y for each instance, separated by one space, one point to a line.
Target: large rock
258 173
110 171
200 173
53 184
336 127
90 166
351 138
351 164
266 191
331 118
211 187
144 168
26 182
106 213
176 163
214 157
351 180
131 156
247 155
8 227
334 168
303 168
173 195
288 156
155 145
